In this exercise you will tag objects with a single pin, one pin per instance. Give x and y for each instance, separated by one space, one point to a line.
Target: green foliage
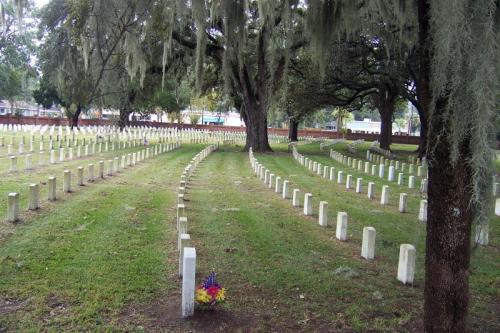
194 119
10 82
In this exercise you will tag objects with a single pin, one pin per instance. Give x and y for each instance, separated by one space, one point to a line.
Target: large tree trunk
448 243
385 101
123 120
256 127
293 130
74 117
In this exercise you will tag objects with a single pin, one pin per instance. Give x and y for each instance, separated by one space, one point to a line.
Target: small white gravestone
52 189
497 207
91 172
308 204
286 189
188 281
13 207
402 202
323 213
374 170
341 232
61 154
367 167
79 176
277 187
371 189
34 202
183 226
340 177
368 244
271 180
332 173
359 185
406 265
411 182
295 197
325 172
422 212
400 178
185 240
348 182
67 181
390 177
384 199
101 169
381 170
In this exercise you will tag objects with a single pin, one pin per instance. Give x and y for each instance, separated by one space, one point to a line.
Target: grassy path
76 267
284 272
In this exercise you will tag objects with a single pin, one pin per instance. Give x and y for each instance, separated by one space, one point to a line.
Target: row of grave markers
333 174
114 166
113 134
54 156
406 265
187 254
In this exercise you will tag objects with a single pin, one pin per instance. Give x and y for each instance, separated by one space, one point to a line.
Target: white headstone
13 207
308 204
286 189
371 189
34 202
422 212
52 189
188 281
359 185
384 199
67 181
323 213
406 265
295 197
368 244
341 232
402 202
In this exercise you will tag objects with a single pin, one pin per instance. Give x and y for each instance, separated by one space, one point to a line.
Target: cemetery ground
104 257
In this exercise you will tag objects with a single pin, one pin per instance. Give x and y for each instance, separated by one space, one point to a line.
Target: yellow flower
202 296
221 295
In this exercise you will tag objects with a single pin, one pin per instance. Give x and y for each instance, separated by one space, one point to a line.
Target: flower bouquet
210 293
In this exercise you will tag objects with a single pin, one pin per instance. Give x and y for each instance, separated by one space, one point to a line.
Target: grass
103 258
75 266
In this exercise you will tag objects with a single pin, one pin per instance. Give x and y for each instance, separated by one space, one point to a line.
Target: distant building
27 109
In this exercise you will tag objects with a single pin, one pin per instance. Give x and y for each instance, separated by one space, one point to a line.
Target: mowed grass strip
291 274
280 268
76 267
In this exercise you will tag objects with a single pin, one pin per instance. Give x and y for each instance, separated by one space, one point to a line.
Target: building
27 109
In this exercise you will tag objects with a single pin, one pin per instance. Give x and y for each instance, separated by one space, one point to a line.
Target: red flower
212 291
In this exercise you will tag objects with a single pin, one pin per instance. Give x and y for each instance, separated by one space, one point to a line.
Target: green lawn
103 258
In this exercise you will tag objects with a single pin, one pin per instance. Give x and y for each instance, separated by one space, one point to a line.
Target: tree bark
385 101
256 126
293 130
75 117
450 216
123 120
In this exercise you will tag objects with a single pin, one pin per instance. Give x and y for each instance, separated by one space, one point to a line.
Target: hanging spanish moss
465 73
